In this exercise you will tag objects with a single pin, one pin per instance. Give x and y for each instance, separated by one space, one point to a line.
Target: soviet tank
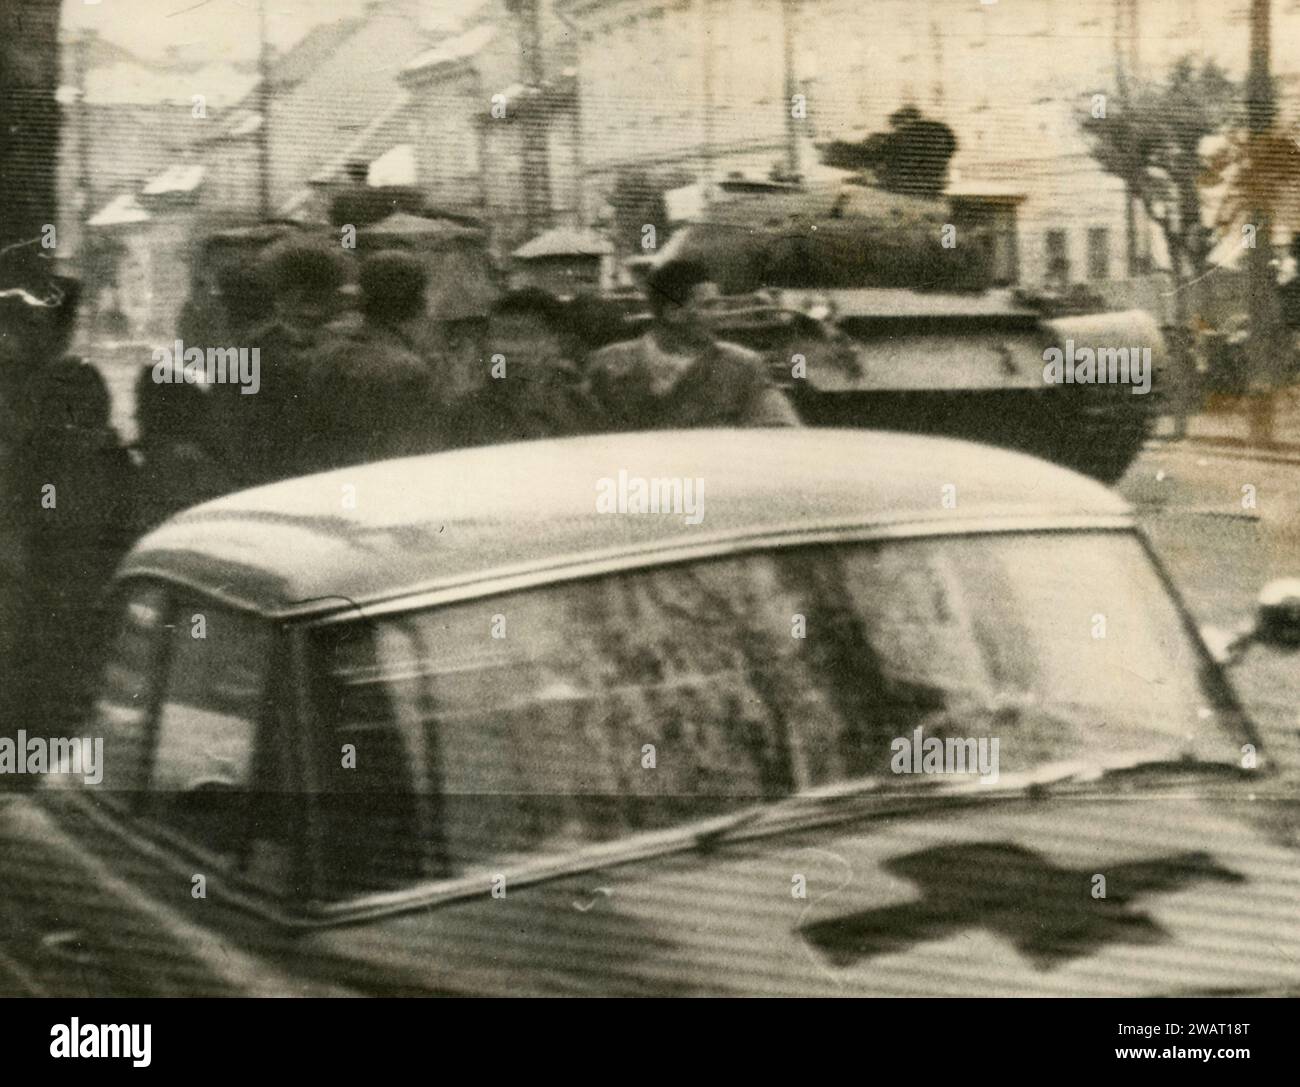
867 318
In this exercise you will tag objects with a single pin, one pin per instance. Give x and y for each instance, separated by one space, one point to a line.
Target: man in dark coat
79 519
371 392
69 490
533 389
260 437
678 374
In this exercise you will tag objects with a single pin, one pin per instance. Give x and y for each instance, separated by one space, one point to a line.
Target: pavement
1225 422
1225 520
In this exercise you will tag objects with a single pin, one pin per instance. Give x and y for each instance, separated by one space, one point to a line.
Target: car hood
1101 894
1150 891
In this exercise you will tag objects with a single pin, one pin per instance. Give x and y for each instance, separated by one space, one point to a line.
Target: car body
471 723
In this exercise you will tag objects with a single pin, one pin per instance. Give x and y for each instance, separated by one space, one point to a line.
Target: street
1220 554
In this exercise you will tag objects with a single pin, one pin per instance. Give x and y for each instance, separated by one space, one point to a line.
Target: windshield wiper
1185 765
717 830
1041 779
827 796
1138 764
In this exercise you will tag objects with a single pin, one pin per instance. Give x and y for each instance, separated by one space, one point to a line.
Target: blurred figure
174 419
260 438
177 469
535 390
20 335
72 493
394 307
371 394
678 374
592 322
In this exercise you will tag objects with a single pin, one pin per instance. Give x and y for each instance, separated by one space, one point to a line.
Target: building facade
711 85
495 122
322 95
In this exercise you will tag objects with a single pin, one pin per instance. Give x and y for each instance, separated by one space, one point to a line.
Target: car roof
395 529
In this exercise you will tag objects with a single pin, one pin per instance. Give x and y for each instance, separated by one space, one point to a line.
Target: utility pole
579 164
1125 44
1264 342
264 112
85 201
706 99
536 121
789 13
936 56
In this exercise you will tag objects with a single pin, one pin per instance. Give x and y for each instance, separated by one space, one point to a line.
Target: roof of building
287 71
175 179
127 83
311 50
120 211
402 224
556 95
452 50
237 123
382 132
439 523
396 166
302 60
563 241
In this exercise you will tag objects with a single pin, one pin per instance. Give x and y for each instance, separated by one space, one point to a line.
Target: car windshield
587 709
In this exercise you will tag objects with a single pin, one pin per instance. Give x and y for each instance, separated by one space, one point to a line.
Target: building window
1004 248
1058 259
1098 252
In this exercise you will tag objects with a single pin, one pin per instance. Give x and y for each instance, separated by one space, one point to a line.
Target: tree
1259 173
1152 139
911 158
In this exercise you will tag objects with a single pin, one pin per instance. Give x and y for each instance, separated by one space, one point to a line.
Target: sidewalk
1225 421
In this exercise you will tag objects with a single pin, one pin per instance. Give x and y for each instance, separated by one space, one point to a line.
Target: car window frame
129 815
686 836
116 601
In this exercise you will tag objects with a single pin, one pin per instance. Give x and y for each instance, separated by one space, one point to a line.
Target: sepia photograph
579 498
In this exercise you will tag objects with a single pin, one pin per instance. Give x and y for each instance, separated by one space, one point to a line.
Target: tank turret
868 318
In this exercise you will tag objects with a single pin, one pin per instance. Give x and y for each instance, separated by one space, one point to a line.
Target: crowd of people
337 386
371 384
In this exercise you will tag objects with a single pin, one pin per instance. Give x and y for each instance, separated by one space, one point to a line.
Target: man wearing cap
533 389
259 437
372 391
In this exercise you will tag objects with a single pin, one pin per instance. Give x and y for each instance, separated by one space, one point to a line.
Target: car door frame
179 852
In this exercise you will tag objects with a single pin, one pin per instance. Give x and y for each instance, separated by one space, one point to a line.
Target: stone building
495 121
710 86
